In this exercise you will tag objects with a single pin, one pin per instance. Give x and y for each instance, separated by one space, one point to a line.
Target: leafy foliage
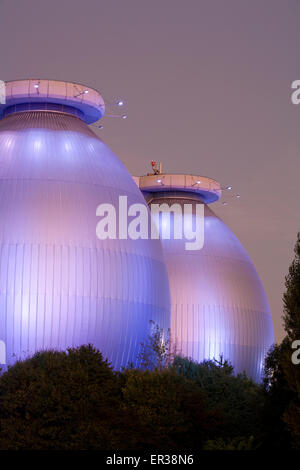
291 297
291 416
237 398
58 400
278 397
282 377
291 300
156 353
170 409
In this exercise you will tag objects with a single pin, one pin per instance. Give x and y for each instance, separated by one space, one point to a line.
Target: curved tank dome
60 286
218 304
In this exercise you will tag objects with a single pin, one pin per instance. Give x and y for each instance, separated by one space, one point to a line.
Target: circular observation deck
52 95
207 189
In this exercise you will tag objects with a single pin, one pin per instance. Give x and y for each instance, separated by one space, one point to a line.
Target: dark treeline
74 399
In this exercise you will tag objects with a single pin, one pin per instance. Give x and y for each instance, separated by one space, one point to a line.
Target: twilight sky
207 86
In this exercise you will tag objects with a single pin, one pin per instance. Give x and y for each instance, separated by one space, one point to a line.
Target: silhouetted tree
59 400
238 399
291 297
278 397
170 411
157 352
292 326
282 377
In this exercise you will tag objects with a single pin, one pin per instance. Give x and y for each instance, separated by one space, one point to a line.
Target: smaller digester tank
218 303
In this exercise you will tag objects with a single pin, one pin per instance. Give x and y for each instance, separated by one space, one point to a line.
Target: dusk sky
207 84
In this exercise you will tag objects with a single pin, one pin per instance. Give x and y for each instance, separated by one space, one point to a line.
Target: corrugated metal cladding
218 304
60 286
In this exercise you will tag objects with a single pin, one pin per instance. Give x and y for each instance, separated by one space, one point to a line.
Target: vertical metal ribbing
56 304
60 285
220 281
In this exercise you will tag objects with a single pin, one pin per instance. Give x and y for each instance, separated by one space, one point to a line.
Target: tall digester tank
60 285
218 304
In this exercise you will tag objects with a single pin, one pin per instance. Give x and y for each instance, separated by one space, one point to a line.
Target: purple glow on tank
218 304
60 286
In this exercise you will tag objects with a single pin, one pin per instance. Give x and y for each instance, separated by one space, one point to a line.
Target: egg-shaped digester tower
218 304
61 286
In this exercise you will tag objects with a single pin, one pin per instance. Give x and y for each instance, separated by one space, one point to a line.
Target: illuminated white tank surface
60 286
218 304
